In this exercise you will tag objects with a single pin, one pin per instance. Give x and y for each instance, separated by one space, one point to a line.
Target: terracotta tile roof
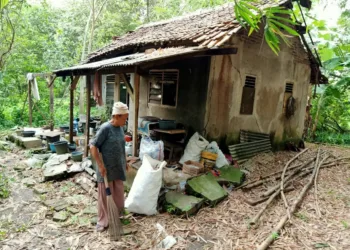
209 28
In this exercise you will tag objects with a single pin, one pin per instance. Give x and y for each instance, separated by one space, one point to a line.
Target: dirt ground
25 223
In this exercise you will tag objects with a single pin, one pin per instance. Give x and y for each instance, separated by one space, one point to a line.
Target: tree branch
2 57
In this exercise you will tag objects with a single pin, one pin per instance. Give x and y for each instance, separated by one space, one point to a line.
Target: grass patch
332 138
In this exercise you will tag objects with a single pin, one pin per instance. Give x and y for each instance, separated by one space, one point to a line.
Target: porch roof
139 59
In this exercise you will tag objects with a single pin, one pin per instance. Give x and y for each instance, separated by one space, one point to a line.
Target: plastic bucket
52 147
77 156
61 147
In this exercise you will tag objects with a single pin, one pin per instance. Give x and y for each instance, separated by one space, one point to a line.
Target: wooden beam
52 117
71 108
42 74
128 86
136 111
88 106
52 80
75 82
30 102
117 88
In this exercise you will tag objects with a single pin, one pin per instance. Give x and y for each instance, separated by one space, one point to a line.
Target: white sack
221 160
143 196
193 150
154 149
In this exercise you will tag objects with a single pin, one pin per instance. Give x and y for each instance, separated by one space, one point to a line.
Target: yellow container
208 159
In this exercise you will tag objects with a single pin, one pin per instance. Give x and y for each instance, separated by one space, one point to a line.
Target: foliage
4 186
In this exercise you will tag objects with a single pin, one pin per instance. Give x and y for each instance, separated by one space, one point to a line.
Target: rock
207 187
42 157
72 210
90 171
20 167
29 182
57 204
34 163
29 142
60 216
55 171
39 190
184 203
38 150
90 210
75 168
4 145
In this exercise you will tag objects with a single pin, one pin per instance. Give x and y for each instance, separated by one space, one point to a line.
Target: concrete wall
226 81
192 95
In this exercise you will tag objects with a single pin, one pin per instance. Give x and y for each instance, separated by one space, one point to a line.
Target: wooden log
71 114
88 107
136 111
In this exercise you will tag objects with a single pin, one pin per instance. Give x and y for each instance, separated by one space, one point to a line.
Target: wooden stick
269 240
261 200
273 189
282 179
318 211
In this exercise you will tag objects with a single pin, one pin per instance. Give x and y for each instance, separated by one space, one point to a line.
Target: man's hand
102 170
127 167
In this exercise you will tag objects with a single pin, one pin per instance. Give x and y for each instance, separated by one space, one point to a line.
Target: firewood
267 242
318 211
261 200
283 175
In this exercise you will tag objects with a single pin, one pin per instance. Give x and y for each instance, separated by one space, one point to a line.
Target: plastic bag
154 149
194 148
143 195
221 160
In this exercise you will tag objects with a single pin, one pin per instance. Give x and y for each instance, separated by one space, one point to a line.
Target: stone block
231 174
60 216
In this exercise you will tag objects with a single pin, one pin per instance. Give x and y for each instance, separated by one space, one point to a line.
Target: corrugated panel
244 151
247 136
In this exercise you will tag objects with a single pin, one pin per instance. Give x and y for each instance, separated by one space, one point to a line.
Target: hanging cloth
34 86
98 90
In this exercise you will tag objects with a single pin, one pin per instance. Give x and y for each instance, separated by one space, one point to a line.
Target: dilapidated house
204 71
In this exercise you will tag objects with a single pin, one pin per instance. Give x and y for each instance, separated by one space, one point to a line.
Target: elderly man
108 150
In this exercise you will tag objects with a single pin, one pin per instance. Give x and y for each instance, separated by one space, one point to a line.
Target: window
163 87
287 94
248 94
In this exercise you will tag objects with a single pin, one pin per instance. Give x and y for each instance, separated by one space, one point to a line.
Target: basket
192 168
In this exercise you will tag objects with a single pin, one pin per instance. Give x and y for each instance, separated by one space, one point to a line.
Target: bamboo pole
117 88
30 103
88 106
52 122
136 111
71 112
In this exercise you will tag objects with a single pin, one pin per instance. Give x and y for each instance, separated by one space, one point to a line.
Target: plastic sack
144 192
193 150
154 149
221 160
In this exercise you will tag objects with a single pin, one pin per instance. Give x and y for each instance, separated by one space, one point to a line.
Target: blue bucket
52 147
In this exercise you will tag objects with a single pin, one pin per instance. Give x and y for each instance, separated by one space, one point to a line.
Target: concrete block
29 142
231 174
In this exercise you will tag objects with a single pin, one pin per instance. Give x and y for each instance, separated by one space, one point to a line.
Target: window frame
245 87
286 95
161 100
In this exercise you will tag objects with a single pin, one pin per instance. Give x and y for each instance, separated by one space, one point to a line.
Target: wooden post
52 123
30 102
117 88
71 113
88 104
136 111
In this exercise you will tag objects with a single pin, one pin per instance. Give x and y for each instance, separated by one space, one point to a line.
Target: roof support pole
136 111
88 105
117 88
30 102
71 112
128 86
52 122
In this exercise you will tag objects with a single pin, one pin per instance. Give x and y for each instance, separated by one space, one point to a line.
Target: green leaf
285 27
3 3
250 31
283 19
321 245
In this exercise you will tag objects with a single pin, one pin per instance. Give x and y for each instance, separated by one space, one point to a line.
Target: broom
115 228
